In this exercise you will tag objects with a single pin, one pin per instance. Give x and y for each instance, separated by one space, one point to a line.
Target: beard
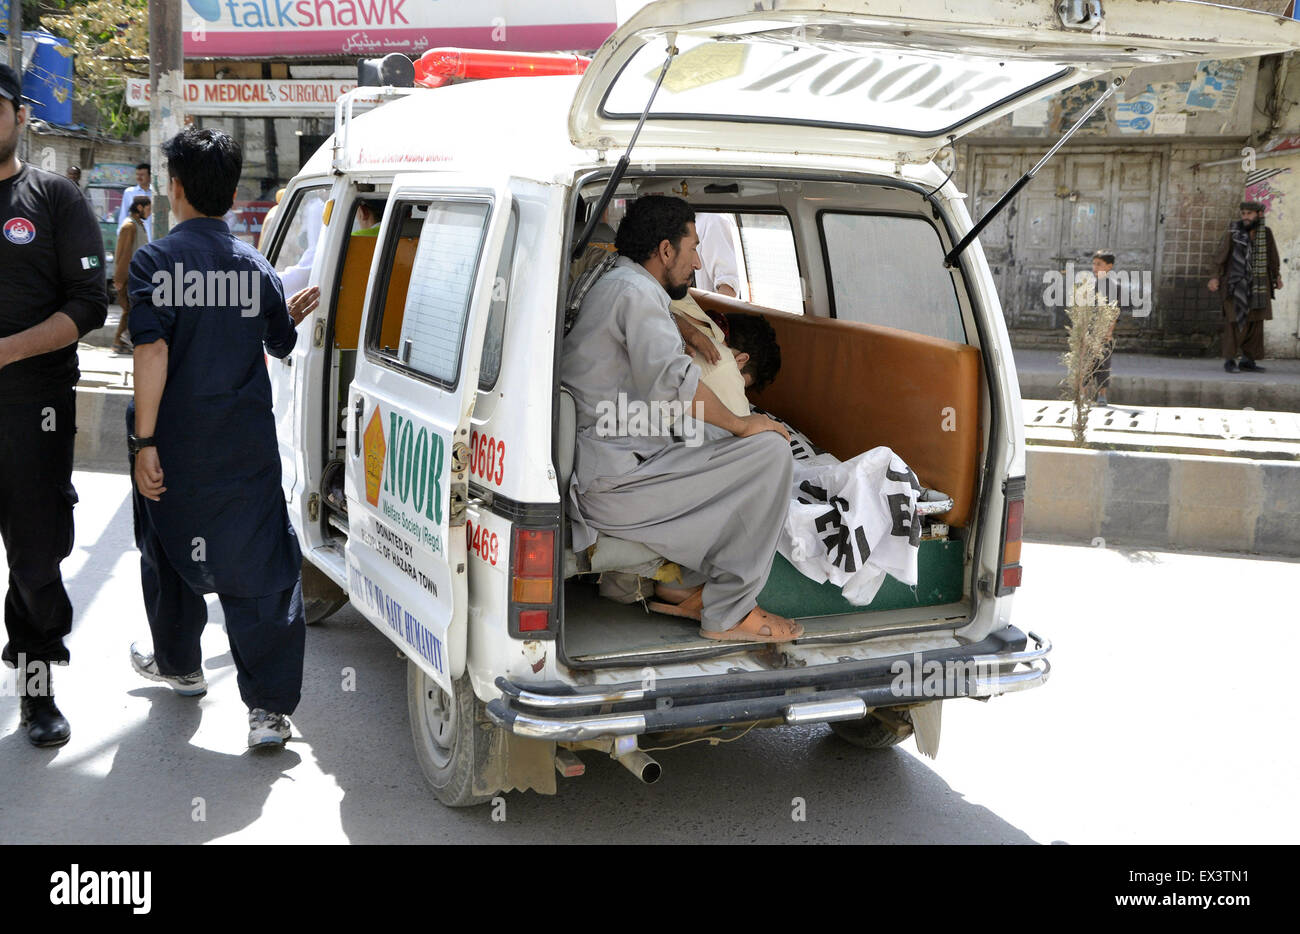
8 147
678 292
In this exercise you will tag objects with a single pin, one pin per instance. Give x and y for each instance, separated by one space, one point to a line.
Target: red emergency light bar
437 66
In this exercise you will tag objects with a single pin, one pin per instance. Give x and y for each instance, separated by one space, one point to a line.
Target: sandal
689 607
760 619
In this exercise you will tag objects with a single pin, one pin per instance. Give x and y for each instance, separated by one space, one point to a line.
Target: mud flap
506 762
926 721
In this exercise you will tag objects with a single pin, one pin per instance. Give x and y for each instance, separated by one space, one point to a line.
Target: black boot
1230 366
1250 366
45 725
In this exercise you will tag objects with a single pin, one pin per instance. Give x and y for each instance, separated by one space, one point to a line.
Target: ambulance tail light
438 66
1013 523
532 583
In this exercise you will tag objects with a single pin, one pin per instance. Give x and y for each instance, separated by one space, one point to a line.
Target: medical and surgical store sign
366 28
264 97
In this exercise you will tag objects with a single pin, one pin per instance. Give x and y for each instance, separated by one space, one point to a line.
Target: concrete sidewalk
1188 382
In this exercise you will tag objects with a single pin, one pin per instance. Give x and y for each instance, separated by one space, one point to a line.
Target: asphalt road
1169 717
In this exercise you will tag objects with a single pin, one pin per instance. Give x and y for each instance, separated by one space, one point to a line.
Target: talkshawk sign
286 28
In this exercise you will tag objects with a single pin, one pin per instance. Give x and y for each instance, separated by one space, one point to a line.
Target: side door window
755 249
432 262
888 269
300 233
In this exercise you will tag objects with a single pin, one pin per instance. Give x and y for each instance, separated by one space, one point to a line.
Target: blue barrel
47 78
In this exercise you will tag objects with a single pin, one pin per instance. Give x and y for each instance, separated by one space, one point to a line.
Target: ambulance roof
520 126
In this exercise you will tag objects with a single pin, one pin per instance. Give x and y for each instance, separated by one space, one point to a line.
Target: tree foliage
110 42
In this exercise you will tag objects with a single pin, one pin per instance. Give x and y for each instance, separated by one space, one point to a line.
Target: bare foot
759 626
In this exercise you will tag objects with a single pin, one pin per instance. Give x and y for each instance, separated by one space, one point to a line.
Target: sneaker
191 685
267 729
1230 366
1250 365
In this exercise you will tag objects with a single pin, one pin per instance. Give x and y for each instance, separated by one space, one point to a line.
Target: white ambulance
427 443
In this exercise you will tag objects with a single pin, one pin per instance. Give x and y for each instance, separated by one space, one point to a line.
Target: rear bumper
553 711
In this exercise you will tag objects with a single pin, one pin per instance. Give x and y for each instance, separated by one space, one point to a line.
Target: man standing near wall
1248 260
52 271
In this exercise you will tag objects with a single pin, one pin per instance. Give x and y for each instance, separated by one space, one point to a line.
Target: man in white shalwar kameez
711 493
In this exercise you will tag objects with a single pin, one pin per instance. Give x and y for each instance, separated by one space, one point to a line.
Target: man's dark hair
139 203
145 166
1106 256
649 222
207 163
752 334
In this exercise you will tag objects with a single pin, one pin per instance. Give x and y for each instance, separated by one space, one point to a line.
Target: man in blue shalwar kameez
210 515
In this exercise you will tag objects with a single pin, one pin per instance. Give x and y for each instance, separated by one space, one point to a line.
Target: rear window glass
888 270
833 76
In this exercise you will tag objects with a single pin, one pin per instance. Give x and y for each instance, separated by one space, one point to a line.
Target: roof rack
345 109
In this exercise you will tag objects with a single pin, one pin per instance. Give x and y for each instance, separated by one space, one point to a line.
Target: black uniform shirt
51 259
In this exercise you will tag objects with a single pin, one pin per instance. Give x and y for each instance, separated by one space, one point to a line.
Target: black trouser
268 634
36 500
1102 373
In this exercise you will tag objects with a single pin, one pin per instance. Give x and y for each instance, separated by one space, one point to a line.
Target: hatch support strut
625 160
951 259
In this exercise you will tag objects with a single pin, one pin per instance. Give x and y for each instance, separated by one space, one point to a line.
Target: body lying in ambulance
427 443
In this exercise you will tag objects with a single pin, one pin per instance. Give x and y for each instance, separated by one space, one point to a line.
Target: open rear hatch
893 79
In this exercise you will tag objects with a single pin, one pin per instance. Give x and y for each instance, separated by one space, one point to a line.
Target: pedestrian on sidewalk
215 521
130 237
143 181
1108 289
52 270
1248 261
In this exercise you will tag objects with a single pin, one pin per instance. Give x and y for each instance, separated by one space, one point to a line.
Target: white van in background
426 442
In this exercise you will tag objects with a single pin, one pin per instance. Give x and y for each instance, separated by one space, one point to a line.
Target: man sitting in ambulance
714 507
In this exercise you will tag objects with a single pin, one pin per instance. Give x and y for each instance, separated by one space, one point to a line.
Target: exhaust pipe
640 765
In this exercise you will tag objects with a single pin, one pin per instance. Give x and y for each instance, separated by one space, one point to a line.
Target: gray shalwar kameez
715 508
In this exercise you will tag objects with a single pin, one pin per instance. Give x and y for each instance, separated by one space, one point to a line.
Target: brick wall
1199 204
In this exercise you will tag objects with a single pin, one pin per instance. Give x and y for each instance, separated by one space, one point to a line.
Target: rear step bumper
848 690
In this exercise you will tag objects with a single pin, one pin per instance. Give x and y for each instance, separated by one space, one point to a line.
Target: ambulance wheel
443 728
867 733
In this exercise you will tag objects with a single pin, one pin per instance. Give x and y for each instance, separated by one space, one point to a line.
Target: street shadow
752 790
202 795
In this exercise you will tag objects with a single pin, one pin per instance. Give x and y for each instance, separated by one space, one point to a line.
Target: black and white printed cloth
851 522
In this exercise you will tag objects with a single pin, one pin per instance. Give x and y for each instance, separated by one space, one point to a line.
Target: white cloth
851 522
717 253
124 209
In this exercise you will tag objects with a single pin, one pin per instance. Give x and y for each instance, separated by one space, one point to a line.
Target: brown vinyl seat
851 387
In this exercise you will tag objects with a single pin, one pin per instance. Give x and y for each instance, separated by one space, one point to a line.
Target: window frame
379 297
511 243
290 214
830 275
736 211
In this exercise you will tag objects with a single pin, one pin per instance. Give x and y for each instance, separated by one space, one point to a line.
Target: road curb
1165 501
1181 392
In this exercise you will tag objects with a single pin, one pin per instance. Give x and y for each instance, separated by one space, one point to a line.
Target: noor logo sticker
20 231
376 450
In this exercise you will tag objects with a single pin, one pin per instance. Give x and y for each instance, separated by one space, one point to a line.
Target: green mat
938 580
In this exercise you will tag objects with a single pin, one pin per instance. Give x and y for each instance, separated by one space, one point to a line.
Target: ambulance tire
867 733
316 611
443 730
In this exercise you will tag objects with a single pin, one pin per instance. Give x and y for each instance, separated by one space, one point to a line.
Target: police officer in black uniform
52 292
